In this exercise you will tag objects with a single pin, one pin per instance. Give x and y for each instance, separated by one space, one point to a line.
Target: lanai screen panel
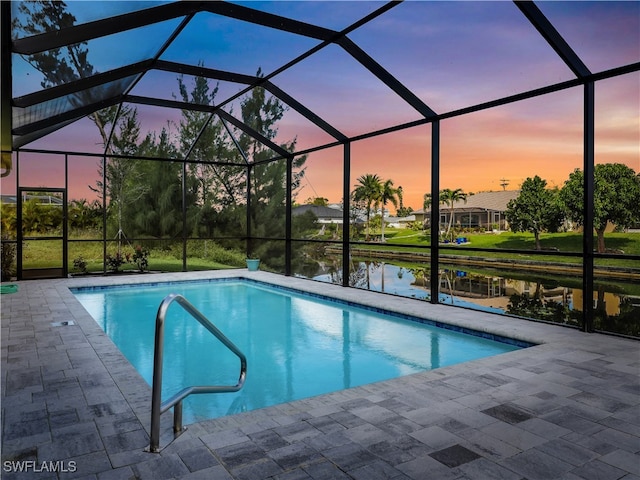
335 15
102 54
604 34
353 100
489 51
448 54
84 13
219 42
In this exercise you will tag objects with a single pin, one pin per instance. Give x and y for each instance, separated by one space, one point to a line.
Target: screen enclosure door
42 233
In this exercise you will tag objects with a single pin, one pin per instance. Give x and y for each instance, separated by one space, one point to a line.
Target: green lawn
629 243
48 254
564 242
204 255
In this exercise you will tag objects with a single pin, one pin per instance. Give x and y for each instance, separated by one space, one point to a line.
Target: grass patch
166 255
629 243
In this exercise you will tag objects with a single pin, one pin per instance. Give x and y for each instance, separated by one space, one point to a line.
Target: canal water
523 293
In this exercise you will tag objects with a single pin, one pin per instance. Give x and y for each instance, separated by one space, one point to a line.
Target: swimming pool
297 345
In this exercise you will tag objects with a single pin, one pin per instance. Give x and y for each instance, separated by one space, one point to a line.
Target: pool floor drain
62 324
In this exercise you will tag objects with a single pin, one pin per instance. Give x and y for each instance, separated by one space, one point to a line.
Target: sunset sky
450 54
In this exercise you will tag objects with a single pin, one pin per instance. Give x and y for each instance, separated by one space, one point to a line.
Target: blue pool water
296 345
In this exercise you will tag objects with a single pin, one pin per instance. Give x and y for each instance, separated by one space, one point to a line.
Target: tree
261 113
426 206
124 185
268 179
356 209
218 188
158 211
616 197
319 201
368 190
535 210
387 194
202 137
450 197
426 202
9 219
402 211
83 215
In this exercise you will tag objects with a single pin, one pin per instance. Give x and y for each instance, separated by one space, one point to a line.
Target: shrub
416 226
141 258
7 257
114 262
80 264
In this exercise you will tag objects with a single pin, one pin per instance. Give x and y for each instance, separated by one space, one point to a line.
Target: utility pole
503 183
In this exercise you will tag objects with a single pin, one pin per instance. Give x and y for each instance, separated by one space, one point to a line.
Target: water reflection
543 297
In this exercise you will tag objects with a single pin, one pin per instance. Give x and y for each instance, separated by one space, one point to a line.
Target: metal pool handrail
157 406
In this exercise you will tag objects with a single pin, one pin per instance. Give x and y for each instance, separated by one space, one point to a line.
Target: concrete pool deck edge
69 395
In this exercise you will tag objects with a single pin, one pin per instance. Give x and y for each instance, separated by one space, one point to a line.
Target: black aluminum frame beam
288 219
6 77
252 133
146 65
243 154
82 84
305 112
614 72
70 115
271 20
434 262
167 43
553 37
588 206
210 109
346 214
101 28
200 71
383 75
120 23
84 32
254 81
330 36
556 87
19 141
78 113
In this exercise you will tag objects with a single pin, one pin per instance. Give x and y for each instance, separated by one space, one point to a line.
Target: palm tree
387 194
426 201
368 190
426 205
450 197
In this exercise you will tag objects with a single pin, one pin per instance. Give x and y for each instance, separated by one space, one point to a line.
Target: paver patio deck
568 408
